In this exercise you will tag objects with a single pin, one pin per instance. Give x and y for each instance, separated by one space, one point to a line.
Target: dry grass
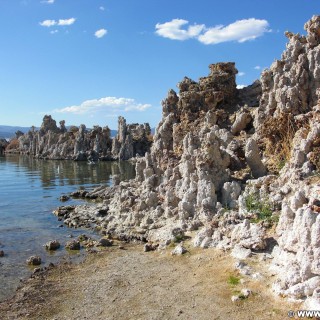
13 145
278 134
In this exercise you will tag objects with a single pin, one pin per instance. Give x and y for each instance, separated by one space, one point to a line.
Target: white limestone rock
240 252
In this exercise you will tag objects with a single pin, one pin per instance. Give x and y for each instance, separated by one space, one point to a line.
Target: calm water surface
29 192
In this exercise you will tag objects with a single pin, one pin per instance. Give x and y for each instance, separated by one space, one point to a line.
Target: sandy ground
132 284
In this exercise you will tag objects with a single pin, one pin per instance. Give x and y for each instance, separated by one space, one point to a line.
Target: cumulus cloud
54 31
100 33
104 104
48 23
48 1
241 86
173 30
241 74
60 22
240 31
257 67
66 22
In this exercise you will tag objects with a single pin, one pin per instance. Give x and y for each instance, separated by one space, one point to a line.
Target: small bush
262 208
233 280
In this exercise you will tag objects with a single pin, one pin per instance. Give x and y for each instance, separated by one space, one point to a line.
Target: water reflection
29 192
59 173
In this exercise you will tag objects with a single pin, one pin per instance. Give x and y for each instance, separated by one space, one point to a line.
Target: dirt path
132 284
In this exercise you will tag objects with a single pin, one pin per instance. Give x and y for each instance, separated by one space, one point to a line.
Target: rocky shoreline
238 169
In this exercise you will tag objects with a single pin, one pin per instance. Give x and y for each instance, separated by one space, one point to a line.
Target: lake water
29 191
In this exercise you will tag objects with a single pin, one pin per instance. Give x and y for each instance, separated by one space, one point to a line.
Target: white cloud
54 31
100 33
257 67
102 8
241 86
48 1
66 22
48 23
241 31
60 22
241 74
104 104
172 30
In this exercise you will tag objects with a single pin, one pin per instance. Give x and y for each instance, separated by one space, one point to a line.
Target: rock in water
53 245
73 245
34 261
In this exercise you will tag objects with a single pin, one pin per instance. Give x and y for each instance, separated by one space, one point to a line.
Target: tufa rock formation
193 170
132 140
52 142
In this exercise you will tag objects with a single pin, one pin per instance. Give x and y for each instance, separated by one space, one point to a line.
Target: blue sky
89 61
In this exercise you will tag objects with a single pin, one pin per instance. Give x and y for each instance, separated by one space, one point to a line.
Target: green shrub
233 280
262 208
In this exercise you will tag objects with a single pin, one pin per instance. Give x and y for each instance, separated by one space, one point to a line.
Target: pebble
246 292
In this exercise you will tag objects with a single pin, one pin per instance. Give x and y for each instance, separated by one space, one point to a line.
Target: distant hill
9 131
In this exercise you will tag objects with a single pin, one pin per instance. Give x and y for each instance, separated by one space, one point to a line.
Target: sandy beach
132 284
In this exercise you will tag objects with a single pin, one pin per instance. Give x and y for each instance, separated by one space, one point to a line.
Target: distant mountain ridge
7 132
